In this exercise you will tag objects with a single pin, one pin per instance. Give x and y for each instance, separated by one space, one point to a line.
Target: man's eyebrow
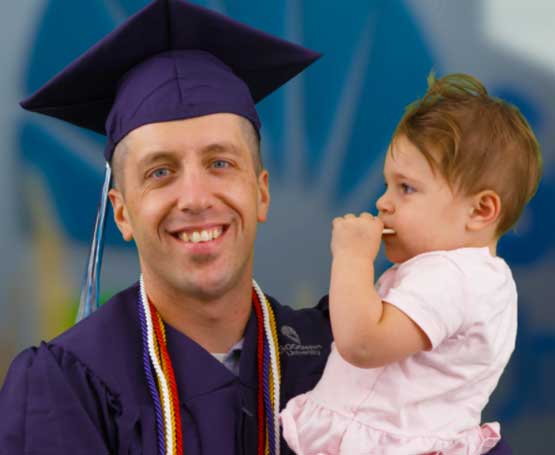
156 155
221 147
170 155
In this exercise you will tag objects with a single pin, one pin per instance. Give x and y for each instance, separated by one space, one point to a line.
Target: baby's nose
383 204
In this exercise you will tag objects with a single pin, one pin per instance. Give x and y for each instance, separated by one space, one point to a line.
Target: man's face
419 206
191 200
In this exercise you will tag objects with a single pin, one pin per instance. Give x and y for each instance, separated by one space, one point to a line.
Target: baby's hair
476 142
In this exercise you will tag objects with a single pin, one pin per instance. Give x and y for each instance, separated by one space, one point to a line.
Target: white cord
158 370
273 361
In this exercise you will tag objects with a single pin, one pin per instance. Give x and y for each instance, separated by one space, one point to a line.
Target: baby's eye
220 164
407 189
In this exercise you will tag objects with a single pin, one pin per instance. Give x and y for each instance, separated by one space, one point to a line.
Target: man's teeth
201 236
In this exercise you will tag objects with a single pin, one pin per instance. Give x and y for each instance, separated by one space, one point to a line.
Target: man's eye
220 164
407 189
160 173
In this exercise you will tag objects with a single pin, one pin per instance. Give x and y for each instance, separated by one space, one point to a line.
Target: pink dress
465 301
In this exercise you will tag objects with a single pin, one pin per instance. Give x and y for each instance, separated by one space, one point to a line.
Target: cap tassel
91 280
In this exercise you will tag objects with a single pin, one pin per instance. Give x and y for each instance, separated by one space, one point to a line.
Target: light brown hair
476 142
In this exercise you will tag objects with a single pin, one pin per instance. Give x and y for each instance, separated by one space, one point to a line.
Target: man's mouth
200 235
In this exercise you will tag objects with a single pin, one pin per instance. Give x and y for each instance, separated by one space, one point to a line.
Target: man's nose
194 191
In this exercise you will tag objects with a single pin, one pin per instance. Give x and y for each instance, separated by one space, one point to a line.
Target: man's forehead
210 131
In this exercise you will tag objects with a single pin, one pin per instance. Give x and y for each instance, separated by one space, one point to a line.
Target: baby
417 356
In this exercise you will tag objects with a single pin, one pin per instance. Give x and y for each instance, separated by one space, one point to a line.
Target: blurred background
324 136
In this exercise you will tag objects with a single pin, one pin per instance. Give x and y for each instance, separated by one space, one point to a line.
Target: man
188 359
194 358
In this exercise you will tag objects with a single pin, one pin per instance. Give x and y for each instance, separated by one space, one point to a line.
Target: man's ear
121 216
484 210
263 196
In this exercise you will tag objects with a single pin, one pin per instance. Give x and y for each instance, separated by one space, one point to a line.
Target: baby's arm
368 333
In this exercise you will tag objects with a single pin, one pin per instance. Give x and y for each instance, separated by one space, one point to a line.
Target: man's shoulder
304 337
107 340
113 316
318 314
304 326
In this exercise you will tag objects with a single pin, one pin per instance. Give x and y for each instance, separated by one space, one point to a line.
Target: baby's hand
356 236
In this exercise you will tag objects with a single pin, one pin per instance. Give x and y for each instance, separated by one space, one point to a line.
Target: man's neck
216 324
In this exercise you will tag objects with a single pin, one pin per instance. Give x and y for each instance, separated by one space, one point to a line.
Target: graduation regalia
84 392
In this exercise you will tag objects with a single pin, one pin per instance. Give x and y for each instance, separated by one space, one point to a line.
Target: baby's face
419 206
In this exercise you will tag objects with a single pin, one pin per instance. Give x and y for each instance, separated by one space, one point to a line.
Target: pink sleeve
429 289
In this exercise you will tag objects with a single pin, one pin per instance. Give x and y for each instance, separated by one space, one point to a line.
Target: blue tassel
91 281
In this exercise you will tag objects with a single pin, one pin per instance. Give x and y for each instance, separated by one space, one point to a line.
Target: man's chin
203 260
206 287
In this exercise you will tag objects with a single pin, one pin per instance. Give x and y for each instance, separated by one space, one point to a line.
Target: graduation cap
171 60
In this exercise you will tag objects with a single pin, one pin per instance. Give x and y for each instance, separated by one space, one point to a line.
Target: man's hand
356 236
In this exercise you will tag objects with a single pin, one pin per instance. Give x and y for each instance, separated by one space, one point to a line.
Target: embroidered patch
290 333
296 348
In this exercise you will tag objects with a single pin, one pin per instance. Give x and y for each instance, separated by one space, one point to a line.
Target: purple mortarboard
171 60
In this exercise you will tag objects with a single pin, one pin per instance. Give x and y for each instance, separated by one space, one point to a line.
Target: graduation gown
84 393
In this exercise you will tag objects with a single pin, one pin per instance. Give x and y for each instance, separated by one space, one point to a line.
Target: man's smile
201 239
196 235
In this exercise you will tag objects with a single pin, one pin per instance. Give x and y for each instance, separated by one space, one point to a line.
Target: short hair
253 139
118 163
476 142
251 135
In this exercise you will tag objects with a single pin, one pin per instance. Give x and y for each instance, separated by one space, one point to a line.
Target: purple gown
84 393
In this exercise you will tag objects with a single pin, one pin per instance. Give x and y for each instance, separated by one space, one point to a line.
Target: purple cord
150 380
267 400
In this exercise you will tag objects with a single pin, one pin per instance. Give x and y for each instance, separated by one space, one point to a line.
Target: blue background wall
323 140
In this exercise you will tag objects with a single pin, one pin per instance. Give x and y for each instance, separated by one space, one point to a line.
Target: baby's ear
484 210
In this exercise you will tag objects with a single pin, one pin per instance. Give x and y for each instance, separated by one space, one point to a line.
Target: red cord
171 379
260 360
